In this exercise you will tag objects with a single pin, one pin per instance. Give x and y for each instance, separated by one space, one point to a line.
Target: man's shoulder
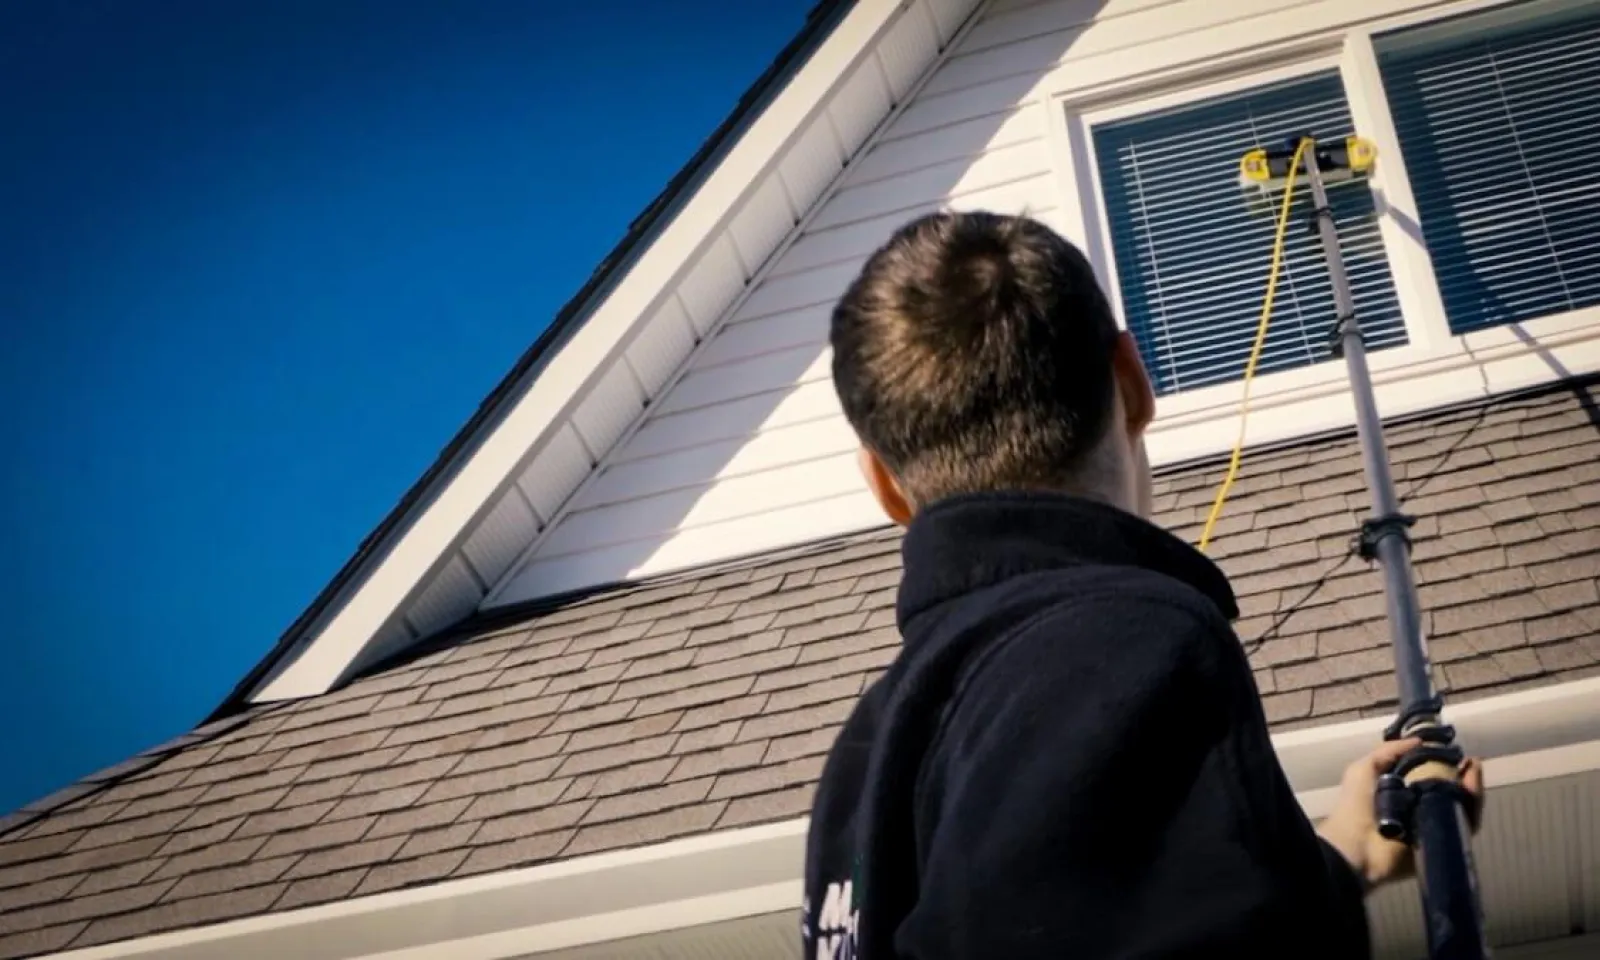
1115 597
1138 619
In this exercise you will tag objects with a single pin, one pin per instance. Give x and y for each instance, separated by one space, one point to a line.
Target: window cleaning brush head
1266 169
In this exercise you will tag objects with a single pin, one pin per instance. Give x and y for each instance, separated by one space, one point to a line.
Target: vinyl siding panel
747 449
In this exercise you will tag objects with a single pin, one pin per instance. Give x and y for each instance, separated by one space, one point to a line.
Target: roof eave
1528 736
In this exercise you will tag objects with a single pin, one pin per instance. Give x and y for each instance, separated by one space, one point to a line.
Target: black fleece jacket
1068 759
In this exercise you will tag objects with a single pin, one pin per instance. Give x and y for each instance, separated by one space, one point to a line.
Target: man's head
976 352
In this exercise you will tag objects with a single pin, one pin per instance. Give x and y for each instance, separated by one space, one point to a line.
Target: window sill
1410 379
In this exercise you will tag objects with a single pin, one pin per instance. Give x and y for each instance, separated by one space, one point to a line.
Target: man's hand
1352 827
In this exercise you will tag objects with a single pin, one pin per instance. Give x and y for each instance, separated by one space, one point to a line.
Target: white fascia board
330 645
593 899
1531 735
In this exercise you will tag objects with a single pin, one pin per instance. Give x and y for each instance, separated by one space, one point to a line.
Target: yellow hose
1261 338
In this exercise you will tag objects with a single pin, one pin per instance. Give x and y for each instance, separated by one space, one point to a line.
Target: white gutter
1517 729
1531 735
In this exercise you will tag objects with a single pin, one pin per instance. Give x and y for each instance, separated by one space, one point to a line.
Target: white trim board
1525 736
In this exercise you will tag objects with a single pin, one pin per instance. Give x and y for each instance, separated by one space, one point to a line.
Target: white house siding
747 450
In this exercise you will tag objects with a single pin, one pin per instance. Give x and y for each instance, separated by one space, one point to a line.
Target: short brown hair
973 353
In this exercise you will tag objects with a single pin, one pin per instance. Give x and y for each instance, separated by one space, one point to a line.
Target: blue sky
259 261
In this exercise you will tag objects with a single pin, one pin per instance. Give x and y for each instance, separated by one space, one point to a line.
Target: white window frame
1435 367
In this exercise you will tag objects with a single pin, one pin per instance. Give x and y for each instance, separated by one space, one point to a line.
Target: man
1069 757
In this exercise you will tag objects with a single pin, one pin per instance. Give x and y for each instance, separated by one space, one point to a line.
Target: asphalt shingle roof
708 700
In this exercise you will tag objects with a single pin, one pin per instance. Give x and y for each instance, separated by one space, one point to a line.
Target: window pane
1500 135
1193 248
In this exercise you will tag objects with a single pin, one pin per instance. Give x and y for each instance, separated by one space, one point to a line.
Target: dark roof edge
819 24
138 763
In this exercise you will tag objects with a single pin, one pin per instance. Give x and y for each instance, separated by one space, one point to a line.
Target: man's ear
1133 384
885 488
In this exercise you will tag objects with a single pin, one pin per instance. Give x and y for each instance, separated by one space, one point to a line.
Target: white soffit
623 353
1529 738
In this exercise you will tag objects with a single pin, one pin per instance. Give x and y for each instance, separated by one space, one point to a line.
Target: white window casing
1435 365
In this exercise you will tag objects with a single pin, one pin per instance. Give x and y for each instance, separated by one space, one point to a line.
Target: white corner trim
1525 736
330 645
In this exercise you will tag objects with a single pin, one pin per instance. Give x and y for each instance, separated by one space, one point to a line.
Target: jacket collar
968 542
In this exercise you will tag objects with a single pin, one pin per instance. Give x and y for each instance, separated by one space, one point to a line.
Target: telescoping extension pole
1421 802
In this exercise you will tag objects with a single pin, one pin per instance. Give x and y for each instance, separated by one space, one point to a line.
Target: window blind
1193 249
1500 133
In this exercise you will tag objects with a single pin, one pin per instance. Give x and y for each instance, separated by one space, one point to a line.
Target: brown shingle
233 810
425 842
403 775
36 848
650 829
511 753
44 891
814 743
733 757
767 778
310 891
531 822
576 717
318 793
642 728
651 800
126 831
520 852
525 796
231 878
415 818
115 878
181 913
717 714
767 807
210 857
341 764
703 693
361 854
770 725
82 862
474 785
338 834
634 776
407 873
75 909
381 801
39 940
616 756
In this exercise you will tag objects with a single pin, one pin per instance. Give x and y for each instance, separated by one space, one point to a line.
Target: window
1500 136
1192 247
